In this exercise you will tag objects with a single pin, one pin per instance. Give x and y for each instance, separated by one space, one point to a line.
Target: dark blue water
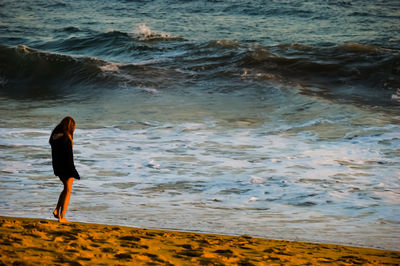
277 119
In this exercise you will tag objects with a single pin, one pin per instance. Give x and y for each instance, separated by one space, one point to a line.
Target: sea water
277 119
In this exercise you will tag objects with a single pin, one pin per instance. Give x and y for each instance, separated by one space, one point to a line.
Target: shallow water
208 116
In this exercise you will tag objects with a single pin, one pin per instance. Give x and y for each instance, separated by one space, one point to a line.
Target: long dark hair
66 127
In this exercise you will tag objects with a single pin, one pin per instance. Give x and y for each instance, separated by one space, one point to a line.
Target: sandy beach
26 241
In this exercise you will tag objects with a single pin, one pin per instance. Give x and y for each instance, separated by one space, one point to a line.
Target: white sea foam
13 167
150 90
256 180
144 33
153 164
396 96
112 67
253 199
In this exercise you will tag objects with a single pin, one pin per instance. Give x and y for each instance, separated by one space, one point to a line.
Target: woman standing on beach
61 141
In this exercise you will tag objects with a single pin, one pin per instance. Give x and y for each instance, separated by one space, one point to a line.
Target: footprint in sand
123 256
225 252
130 238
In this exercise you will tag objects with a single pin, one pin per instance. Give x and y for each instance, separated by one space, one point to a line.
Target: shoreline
34 241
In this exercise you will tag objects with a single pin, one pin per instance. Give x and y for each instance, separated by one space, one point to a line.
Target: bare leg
57 210
64 200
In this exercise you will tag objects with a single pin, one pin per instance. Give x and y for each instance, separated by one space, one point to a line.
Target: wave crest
145 34
353 47
347 70
30 71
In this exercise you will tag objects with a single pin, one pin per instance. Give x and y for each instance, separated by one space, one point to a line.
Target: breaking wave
348 72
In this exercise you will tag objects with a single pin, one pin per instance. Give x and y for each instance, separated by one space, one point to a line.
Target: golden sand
27 241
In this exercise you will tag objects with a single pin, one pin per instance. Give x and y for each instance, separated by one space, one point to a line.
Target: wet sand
37 241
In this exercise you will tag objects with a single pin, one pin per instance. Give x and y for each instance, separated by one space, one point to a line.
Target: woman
61 141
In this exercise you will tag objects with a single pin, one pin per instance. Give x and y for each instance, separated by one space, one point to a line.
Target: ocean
276 119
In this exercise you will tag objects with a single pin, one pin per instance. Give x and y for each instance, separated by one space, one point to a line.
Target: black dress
63 157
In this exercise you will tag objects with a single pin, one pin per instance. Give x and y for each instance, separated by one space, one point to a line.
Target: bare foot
63 220
55 213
